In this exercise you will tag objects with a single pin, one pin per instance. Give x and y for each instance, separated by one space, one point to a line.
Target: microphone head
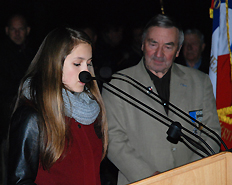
174 132
85 77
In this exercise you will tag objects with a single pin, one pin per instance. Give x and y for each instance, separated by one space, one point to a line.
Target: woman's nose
85 68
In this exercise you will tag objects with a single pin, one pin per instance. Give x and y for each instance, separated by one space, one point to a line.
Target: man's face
192 47
116 35
17 31
160 48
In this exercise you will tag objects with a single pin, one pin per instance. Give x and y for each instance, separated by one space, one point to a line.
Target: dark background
45 15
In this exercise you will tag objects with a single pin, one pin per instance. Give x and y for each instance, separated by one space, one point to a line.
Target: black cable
147 90
151 110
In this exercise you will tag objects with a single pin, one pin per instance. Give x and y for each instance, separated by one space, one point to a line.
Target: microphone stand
169 103
174 132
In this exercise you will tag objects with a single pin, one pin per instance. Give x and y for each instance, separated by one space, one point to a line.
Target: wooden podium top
213 170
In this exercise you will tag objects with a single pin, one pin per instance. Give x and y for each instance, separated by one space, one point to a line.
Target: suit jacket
137 141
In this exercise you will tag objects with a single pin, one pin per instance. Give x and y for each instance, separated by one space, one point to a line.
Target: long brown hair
45 74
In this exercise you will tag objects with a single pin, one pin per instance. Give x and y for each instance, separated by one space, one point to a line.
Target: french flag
221 64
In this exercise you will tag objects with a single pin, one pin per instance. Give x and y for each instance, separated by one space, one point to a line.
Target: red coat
80 164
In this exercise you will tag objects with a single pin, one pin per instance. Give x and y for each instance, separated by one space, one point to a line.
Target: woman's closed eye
77 64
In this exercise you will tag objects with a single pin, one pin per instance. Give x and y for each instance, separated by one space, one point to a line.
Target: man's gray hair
197 32
164 21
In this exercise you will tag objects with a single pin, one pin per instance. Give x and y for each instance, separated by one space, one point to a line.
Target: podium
213 170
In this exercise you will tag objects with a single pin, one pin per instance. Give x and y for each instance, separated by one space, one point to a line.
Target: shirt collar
166 77
197 65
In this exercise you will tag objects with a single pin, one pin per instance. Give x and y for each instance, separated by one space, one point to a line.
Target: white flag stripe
219 44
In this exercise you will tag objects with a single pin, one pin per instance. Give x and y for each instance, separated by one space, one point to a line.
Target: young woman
58 131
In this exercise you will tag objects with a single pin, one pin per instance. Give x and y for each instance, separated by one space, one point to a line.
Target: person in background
16 53
91 32
133 49
109 50
58 130
17 29
138 144
192 51
17 50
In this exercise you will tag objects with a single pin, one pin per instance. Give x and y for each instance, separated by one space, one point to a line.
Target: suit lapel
146 81
178 86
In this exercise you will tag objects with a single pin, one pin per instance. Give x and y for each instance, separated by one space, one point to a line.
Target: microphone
85 77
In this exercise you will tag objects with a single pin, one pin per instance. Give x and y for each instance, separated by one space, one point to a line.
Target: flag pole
228 35
162 6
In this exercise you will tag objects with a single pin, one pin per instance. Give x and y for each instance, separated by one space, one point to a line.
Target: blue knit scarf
77 105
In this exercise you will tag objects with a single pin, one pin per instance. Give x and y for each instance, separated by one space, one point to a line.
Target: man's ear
28 30
178 52
7 30
142 46
203 47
